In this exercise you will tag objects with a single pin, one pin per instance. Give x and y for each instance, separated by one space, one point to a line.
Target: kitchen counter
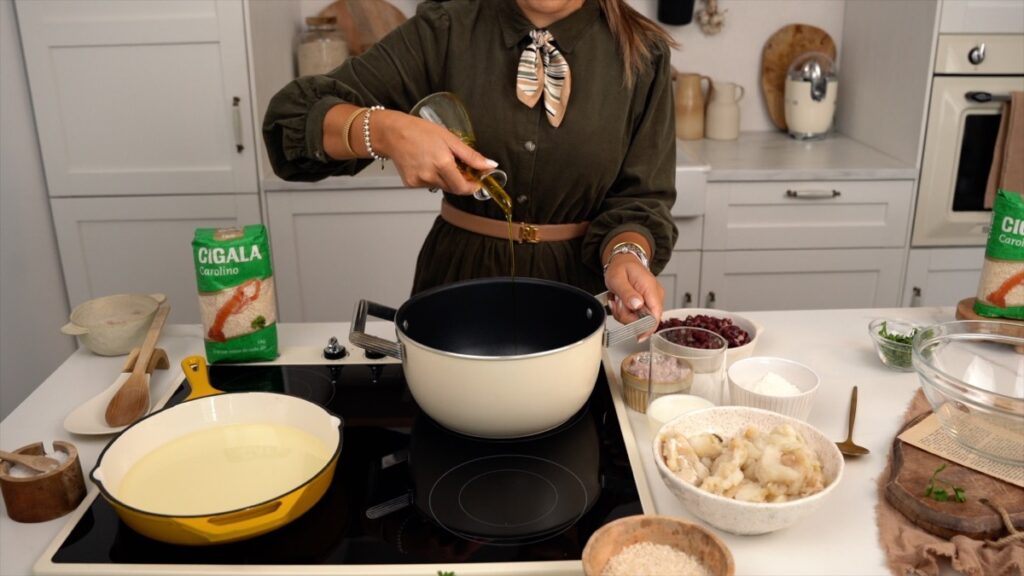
839 538
776 156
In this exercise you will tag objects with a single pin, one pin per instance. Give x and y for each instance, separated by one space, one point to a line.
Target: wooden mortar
43 496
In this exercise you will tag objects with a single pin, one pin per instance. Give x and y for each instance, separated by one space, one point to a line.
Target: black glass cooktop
407 490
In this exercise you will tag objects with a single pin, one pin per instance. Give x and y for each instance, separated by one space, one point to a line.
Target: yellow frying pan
218 467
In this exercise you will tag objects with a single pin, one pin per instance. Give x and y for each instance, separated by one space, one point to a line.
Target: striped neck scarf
555 70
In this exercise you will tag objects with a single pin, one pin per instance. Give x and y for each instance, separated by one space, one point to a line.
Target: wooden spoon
847 446
37 463
131 402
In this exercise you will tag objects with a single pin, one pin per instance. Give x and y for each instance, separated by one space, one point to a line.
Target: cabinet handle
915 296
813 194
237 111
687 299
977 54
711 300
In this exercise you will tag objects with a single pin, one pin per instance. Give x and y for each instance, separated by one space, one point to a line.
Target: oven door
958 152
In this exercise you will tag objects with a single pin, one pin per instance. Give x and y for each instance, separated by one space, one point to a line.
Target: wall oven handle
984 97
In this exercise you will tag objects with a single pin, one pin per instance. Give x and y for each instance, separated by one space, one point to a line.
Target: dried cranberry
733 334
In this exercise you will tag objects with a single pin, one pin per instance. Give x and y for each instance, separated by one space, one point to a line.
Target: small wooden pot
43 496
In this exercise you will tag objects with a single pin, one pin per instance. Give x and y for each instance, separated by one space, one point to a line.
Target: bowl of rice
656 545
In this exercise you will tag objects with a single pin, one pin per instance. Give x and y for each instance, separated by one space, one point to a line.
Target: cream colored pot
113 325
495 358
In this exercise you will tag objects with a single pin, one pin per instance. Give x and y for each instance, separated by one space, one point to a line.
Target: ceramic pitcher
723 114
689 104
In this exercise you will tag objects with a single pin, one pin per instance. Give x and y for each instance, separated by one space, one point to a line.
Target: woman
571 97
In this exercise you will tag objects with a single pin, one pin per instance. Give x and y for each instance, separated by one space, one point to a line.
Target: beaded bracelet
346 130
366 135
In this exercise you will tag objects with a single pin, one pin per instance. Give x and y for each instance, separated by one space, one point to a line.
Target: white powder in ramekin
771 384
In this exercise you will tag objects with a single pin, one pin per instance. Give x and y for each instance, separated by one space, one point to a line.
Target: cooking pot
207 409
497 357
113 325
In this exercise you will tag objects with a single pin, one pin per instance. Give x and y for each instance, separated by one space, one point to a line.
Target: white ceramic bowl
736 516
113 325
732 354
745 373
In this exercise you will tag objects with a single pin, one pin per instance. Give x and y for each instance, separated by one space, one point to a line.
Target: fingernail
492 163
635 303
642 338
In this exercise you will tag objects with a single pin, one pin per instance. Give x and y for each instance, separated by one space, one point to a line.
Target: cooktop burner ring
454 501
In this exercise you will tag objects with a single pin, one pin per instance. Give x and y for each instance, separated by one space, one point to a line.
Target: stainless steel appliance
973 76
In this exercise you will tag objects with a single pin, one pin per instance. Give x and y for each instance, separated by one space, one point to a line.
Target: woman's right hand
425 154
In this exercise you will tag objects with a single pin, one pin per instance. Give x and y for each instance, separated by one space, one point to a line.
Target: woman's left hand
635 290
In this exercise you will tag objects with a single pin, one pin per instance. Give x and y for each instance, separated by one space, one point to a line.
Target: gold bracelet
347 129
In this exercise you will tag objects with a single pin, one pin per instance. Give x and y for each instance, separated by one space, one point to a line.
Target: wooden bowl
692 539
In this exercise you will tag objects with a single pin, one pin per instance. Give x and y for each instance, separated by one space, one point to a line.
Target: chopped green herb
941 494
899 353
259 322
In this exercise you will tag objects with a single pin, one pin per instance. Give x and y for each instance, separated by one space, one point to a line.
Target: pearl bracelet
366 135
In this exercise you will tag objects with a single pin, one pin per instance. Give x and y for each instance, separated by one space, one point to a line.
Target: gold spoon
847 446
37 463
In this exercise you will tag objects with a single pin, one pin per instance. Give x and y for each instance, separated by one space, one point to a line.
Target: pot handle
357 333
72 329
635 328
249 521
160 298
198 378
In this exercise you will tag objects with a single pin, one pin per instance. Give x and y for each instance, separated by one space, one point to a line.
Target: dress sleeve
641 198
395 73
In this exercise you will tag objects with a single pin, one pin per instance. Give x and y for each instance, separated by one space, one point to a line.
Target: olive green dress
611 162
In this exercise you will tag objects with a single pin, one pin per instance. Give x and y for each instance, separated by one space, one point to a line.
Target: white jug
722 121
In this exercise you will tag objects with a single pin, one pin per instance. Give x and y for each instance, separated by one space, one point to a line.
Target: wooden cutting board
779 52
911 469
364 22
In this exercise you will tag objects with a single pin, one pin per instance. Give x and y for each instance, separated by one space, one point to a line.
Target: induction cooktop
408 495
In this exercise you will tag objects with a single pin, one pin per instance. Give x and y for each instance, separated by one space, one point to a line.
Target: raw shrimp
243 295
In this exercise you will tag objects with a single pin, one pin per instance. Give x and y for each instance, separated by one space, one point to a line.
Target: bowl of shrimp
747 470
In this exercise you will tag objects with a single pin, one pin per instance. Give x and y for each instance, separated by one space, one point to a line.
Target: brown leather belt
521 231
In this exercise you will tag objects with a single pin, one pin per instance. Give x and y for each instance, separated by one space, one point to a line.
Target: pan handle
635 328
357 333
198 378
250 521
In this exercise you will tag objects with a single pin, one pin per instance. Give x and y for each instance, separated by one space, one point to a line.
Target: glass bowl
895 355
972 373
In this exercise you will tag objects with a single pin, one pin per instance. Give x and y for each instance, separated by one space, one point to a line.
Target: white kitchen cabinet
141 244
332 248
807 214
942 276
738 280
140 98
982 17
681 279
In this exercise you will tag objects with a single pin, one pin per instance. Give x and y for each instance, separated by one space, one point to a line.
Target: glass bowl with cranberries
741 333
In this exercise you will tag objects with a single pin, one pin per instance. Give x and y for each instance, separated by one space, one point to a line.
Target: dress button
530 146
522 199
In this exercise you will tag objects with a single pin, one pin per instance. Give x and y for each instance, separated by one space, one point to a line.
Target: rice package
1001 289
236 293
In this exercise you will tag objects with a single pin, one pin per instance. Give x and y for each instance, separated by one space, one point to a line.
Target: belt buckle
528 233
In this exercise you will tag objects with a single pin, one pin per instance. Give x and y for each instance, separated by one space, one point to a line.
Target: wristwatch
628 248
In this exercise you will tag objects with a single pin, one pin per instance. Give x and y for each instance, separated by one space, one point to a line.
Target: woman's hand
635 290
425 154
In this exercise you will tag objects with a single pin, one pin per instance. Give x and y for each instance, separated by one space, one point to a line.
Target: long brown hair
635 34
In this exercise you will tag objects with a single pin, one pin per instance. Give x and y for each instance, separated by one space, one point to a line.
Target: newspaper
930 436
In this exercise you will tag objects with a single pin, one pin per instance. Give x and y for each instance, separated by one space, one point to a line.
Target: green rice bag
236 293
1001 289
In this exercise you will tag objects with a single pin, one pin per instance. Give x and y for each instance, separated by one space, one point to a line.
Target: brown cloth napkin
909 550
1007 171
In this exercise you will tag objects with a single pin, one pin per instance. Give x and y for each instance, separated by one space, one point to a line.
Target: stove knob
372 355
334 350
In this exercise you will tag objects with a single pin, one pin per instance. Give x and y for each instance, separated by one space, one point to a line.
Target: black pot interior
500 317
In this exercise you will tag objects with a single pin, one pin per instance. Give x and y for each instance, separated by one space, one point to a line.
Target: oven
974 75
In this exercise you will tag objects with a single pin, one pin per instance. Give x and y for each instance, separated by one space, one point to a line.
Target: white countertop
776 156
839 538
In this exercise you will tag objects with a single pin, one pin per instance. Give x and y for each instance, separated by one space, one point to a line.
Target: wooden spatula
132 400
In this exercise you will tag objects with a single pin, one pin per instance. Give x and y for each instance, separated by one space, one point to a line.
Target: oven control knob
370 354
977 54
334 350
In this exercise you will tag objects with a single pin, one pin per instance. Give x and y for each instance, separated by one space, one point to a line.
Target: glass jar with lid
321 48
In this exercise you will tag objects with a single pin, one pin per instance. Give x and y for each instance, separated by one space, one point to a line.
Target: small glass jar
321 48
